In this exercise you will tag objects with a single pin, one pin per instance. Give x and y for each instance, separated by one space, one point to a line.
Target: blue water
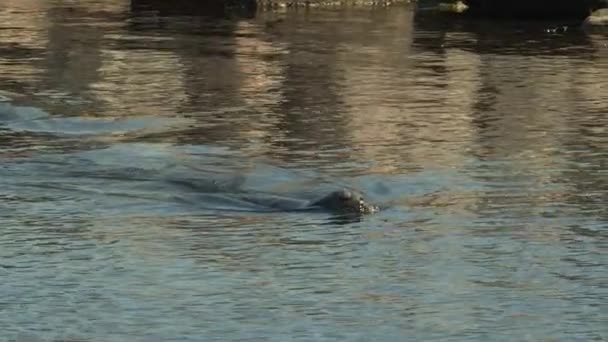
485 144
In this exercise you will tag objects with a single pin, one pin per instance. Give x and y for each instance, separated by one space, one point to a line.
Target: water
485 143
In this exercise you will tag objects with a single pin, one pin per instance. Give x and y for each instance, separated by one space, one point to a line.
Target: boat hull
533 9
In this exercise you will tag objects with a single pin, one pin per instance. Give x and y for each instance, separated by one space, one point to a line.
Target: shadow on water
208 8
504 37
536 10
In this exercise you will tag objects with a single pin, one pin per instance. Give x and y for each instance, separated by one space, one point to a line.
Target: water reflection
209 9
485 144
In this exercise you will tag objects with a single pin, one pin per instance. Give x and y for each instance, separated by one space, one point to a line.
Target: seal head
345 201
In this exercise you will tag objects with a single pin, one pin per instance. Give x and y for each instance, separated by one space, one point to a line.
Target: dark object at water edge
534 9
211 8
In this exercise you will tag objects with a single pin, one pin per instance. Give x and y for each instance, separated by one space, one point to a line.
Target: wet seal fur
339 202
345 201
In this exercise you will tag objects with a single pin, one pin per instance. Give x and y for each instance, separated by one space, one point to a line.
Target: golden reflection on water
372 93
397 110
139 82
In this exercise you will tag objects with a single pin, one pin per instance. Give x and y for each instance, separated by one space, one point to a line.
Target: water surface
485 142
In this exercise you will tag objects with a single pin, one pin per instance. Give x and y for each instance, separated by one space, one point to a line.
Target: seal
345 201
231 194
341 202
